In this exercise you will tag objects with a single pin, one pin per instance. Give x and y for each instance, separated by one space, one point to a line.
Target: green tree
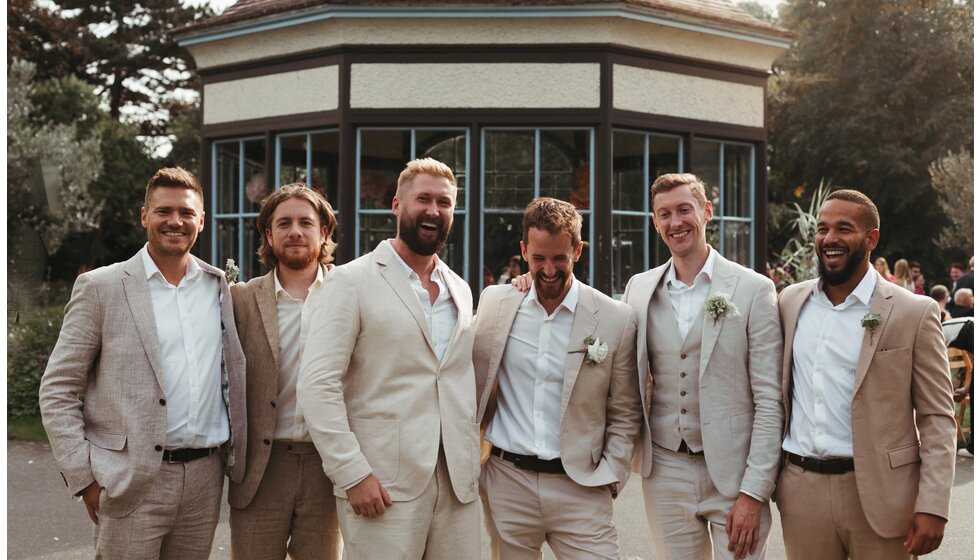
952 178
868 96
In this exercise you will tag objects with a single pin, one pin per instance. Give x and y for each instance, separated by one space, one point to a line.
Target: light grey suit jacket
739 393
109 351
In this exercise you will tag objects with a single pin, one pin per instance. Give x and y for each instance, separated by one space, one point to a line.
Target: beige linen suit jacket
600 406
375 397
109 351
902 425
739 391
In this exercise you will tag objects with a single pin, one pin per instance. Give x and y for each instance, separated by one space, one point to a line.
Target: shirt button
683 393
683 411
683 356
158 447
273 403
163 402
683 374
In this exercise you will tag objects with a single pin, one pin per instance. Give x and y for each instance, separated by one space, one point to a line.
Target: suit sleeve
765 345
67 376
932 397
624 411
334 329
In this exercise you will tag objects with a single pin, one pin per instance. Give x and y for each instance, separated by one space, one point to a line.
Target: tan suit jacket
600 406
375 397
108 349
741 408
902 425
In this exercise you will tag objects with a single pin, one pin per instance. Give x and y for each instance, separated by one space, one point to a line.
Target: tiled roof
718 12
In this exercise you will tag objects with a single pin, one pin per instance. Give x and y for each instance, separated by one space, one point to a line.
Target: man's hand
925 533
368 497
742 525
522 282
91 498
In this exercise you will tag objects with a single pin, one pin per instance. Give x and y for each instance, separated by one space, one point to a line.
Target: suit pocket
106 440
596 454
379 441
904 456
893 353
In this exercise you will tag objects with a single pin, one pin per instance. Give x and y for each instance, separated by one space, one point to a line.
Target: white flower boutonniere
231 271
719 306
595 351
870 322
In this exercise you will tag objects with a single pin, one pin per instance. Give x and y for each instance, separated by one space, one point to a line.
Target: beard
408 230
294 261
836 278
551 291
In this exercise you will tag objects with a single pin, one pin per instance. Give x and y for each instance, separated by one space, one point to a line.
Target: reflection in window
312 158
727 169
382 155
239 183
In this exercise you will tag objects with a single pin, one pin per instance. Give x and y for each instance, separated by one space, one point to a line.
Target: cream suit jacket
902 425
739 391
600 405
109 351
375 397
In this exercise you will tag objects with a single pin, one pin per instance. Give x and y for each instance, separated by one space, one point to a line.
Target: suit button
683 356
683 393
683 411
163 402
683 374
267 442
273 403
289 448
158 447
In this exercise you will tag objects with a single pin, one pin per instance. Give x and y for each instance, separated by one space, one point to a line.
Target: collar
571 298
707 271
862 292
440 266
280 289
151 269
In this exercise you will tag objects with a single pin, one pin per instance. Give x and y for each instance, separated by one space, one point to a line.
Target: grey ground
44 524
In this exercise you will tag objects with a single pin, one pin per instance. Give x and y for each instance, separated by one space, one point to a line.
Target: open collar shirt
687 302
440 315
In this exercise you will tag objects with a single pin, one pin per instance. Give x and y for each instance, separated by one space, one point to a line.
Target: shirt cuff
355 483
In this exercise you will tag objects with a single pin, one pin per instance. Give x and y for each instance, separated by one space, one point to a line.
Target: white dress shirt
531 377
188 321
441 315
687 302
825 354
294 321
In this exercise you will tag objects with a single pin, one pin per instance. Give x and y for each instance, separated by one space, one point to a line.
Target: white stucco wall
692 97
486 85
285 93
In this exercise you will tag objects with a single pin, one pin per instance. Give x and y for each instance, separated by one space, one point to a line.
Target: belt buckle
169 454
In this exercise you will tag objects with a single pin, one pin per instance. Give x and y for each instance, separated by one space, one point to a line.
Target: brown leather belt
185 455
530 462
685 449
823 466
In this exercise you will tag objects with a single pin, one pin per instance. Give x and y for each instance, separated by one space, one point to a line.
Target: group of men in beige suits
366 388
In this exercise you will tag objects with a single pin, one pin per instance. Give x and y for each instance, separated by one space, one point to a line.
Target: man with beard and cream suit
556 375
708 357
151 343
285 503
870 440
387 386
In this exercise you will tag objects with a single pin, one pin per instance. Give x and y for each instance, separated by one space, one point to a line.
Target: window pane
292 159
448 147
738 170
628 182
501 240
712 235
628 240
509 179
256 185
384 154
738 241
665 153
565 156
226 238
659 253
375 228
454 252
250 265
226 181
704 160
325 164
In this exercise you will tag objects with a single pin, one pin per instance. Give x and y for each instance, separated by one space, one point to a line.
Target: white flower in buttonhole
720 305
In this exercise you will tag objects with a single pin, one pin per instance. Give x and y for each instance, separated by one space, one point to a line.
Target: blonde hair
428 166
883 261
902 271
670 181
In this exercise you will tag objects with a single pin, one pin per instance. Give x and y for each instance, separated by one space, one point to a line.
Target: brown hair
669 181
173 177
554 216
428 166
871 217
320 205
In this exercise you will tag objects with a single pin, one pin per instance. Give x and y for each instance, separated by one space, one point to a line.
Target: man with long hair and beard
870 440
386 386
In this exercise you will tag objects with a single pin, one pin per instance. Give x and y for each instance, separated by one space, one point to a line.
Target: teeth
682 234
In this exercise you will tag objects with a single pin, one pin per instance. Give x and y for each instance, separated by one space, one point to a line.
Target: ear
708 211
873 237
524 251
268 237
578 251
143 216
323 233
395 205
200 225
653 218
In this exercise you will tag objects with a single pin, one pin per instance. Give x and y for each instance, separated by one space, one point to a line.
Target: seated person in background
962 303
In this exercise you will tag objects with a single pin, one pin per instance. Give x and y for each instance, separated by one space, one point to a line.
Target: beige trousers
823 519
433 526
524 509
175 520
687 513
293 510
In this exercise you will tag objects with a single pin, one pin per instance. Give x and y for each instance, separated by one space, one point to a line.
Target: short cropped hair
871 218
669 181
963 296
554 216
320 206
939 293
174 177
428 166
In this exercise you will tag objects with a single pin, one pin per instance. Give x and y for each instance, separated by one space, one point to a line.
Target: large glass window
638 159
238 184
522 164
381 156
727 170
312 158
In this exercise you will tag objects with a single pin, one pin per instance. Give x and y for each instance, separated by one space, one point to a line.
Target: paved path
44 524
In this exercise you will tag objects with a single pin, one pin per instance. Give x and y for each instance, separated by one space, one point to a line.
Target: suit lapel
794 306
881 304
504 316
583 326
395 276
723 281
141 306
265 298
642 296
456 293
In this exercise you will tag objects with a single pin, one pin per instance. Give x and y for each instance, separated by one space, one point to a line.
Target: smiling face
425 213
551 259
843 242
295 234
681 220
172 216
